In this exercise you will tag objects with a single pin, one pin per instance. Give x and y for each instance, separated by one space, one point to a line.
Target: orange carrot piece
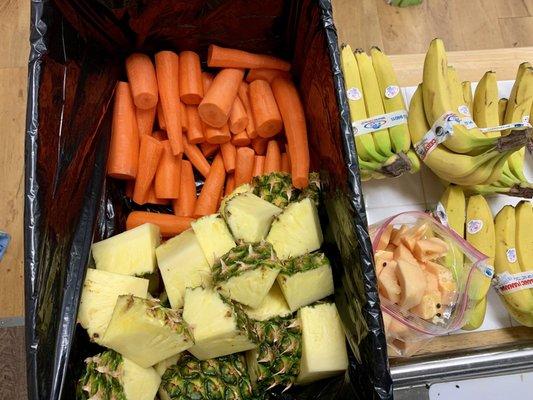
244 165
184 118
208 149
241 139
150 153
145 120
195 132
293 115
229 153
207 80
128 190
245 99
216 105
161 117
285 164
190 77
167 176
230 185
238 119
209 196
160 135
123 156
184 205
266 74
143 81
259 164
273 158
259 145
167 69
266 114
217 135
196 158
169 225
151 198
221 57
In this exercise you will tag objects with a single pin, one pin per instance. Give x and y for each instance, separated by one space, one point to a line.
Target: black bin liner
77 54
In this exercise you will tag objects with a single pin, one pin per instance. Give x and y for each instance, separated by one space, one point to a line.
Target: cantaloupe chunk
396 235
397 330
426 250
412 283
432 283
427 308
419 231
384 255
446 284
409 241
403 253
381 262
391 247
385 238
388 283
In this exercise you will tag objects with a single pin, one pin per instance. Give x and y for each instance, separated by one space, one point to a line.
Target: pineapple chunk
249 217
296 230
99 295
323 344
129 253
273 305
310 271
214 236
145 332
162 366
182 264
219 326
246 273
240 189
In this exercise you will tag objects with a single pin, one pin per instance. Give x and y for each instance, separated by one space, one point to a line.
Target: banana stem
515 140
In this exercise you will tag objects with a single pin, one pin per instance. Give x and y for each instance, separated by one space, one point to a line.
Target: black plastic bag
77 53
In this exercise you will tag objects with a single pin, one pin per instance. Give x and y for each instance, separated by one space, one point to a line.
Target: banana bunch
372 89
467 157
514 255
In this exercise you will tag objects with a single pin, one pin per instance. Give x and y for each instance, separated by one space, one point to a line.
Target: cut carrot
128 190
160 135
161 117
143 81
184 118
184 205
266 74
230 185
266 114
241 139
216 105
190 77
145 120
150 153
245 99
244 165
273 158
167 176
292 112
195 132
217 135
259 145
285 165
209 149
167 69
152 199
123 156
221 57
209 196
238 119
196 158
169 225
207 80
259 164
229 153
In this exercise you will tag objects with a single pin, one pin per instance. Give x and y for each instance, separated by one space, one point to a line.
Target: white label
468 123
486 269
510 283
525 119
354 94
379 122
439 132
513 125
474 226
440 214
511 255
463 109
391 91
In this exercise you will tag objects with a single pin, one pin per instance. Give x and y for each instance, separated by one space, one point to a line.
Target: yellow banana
502 105
456 93
467 94
392 98
454 203
476 315
524 318
354 91
414 160
524 238
519 103
373 102
486 103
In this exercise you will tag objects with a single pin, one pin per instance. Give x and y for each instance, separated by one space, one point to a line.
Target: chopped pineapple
240 189
162 366
99 295
214 236
219 326
129 253
246 273
249 217
145 332
273 305
182 264
310 271
296 230
323 344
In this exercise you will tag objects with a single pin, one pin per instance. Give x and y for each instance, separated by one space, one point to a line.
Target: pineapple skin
145 332
214 236
277 188
99 295
182 264
273 305
162 366
129 253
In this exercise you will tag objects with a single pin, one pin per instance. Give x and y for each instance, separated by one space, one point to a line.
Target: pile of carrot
172 121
